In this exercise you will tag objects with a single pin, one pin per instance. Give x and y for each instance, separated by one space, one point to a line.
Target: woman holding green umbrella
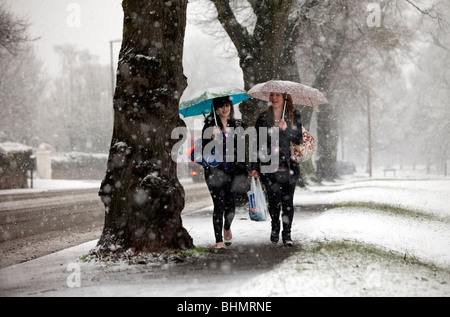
228 178
224 179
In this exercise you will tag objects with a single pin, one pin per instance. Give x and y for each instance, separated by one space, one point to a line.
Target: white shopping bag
257 207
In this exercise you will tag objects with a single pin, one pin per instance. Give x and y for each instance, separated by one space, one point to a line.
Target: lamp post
369 128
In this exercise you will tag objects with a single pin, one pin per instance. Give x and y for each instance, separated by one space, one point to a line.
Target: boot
275 233
287 241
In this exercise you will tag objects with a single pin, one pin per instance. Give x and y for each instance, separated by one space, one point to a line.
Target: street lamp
369 131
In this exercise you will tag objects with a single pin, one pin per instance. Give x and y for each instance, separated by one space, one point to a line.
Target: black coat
234 167
291 134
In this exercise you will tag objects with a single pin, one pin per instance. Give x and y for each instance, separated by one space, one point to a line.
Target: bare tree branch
295 28
12 31
426 12
237 33
438 43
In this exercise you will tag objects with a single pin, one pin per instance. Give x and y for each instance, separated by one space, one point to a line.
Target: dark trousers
280 195
222 189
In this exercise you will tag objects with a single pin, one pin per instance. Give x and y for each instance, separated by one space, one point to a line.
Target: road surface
36 224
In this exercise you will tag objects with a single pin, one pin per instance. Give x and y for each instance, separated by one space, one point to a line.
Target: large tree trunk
327 132
259 53
268 53
141 192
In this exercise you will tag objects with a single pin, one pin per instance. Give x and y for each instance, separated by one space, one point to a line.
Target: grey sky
91 24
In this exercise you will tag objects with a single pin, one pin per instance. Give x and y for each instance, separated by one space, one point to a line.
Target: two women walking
229 177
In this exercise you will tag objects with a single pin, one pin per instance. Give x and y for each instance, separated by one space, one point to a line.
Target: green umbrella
202 103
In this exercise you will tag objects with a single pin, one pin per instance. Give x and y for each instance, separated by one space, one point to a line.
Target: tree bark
327 131
259 53
269 52
141 192
327 135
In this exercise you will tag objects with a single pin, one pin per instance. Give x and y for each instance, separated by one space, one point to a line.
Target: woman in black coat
226 177
280 184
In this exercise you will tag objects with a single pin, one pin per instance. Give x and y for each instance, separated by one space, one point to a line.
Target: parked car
196 172
346 168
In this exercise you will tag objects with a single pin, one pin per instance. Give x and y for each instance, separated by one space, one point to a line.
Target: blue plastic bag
257 206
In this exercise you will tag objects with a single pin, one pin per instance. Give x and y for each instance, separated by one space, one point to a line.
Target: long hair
218 103
290 110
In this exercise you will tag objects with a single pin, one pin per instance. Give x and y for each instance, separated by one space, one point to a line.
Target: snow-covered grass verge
421 195
349 269
366 238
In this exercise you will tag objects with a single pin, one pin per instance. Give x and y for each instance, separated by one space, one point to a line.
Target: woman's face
225 110
276 99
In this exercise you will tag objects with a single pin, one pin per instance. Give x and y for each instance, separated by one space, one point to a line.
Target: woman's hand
283 124
255 174
216 131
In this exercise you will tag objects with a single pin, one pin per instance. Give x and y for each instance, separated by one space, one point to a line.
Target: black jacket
291 134
234 167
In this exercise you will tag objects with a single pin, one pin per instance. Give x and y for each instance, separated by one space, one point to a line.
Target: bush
76 165
15 161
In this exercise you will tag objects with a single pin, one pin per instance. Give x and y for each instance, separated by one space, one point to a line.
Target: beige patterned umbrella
301 94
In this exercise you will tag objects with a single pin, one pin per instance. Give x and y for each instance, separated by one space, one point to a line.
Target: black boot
287 241
275 233
286 234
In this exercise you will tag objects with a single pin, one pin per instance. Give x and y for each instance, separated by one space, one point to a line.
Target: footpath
358 237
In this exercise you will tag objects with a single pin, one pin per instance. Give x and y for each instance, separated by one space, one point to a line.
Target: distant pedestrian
280 185
228 178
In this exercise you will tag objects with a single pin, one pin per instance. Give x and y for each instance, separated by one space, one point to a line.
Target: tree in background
13 32
310 41
364 65
21 81
81 101
265 34
266 48
337 34
141 192
71 112
428 109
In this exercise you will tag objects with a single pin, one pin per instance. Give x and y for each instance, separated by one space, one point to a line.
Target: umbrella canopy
202 103
301 94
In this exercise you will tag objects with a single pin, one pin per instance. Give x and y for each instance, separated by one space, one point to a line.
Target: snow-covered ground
389 238
43 185
386 237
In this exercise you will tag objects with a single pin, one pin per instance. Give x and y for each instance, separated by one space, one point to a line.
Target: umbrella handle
284 109
215 117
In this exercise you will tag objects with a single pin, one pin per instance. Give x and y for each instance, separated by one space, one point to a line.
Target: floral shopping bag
303 152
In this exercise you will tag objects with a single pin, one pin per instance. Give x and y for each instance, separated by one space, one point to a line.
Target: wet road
36 224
